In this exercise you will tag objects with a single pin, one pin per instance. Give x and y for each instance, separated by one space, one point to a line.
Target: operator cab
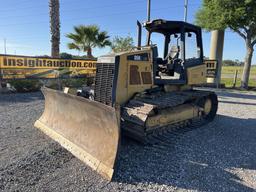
182 48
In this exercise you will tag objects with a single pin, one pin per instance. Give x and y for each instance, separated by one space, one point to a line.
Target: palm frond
103 39
85 38
73 46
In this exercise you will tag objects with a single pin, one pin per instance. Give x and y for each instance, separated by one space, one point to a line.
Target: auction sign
25 67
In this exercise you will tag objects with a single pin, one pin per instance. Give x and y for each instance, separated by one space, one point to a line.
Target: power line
14 8
112 33
74 10
83 18
84 8
22 1
19 16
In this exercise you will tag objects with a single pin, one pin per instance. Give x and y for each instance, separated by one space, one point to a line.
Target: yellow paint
124 89
170 116
196 75
38 67
77 151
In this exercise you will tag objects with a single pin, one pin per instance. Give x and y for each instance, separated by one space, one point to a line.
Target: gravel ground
220 156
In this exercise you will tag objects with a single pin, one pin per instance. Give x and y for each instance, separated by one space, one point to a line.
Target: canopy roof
170 27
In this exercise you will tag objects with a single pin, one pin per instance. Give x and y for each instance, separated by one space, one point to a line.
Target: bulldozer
138 93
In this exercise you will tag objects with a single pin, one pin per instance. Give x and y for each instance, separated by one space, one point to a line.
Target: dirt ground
220 156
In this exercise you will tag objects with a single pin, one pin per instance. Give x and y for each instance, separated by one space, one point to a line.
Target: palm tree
85 38
54 6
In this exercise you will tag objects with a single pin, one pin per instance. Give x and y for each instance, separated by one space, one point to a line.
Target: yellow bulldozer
137 93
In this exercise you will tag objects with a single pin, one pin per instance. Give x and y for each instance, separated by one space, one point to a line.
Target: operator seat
174 53
170 64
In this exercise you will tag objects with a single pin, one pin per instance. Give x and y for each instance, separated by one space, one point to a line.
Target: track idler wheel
209 106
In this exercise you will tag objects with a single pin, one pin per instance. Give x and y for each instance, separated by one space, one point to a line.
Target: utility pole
185 10
5 51
2 83
149 10
148 19
216 53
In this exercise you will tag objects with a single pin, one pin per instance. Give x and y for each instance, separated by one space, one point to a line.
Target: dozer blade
88 129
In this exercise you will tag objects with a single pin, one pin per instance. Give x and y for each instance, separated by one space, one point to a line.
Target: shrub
53 84
77 82
26 85
73 82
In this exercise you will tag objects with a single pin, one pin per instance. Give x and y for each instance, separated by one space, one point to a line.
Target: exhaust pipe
139 28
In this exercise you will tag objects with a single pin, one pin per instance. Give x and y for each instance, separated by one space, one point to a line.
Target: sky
25 23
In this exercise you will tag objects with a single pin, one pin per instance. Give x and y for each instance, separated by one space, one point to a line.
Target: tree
120 44
66 56
85 38
54 6
239 16
229 62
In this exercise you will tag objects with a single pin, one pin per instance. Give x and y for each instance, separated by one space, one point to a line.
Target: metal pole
149 10
185 10
1 70
148 19
235 79
5 46
216 53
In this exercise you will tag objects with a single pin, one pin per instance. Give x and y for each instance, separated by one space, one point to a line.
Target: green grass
230 70
229 82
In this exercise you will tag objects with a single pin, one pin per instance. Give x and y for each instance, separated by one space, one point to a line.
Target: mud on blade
88 129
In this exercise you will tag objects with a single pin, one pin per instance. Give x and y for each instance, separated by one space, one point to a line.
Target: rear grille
104 83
